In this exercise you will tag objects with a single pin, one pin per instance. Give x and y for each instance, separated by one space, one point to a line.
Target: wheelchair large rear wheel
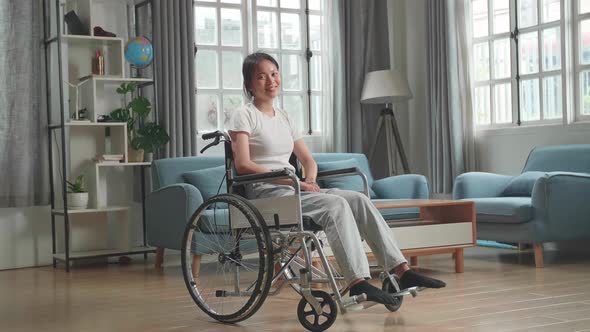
227 270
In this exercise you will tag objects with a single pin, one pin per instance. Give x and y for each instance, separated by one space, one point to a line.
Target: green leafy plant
78 186
148 136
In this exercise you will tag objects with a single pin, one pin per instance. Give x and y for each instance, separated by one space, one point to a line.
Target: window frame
577 103
220 91
541 74
279 52
516 77
249 10
492 82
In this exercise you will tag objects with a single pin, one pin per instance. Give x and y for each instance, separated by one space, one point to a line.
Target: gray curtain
23 134
451 148
365 47
174 65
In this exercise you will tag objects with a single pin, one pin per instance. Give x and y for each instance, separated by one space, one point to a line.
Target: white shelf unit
99 210
99 95
104 228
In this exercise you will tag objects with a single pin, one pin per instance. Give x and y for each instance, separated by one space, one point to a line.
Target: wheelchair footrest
408 291
359 302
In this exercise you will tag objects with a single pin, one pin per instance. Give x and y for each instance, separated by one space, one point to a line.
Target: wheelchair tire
389 288
320 322
232 273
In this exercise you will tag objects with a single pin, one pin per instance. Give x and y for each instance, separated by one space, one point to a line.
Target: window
517 62
582 59
227 30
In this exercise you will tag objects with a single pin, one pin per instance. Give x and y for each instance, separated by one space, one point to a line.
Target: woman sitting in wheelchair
263 138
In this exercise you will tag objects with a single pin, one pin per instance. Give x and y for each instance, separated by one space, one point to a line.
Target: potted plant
77 194
143 137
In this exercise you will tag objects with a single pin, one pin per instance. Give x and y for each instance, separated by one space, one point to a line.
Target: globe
139 52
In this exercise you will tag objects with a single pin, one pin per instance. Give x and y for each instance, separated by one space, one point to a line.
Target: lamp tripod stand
387 119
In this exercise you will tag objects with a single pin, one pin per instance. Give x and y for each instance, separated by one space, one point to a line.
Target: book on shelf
110 158
109 161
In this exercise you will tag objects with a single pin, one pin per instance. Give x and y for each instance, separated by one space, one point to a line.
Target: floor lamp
387 87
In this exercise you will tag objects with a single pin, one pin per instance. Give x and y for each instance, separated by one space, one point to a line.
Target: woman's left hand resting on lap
309 186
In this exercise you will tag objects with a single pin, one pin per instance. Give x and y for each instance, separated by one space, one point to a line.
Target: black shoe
413 279
100 32
373 293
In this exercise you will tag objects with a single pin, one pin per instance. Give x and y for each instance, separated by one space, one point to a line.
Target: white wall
25 237
505 151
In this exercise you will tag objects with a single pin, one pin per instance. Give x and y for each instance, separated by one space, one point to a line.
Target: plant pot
148 157
77 201
134 156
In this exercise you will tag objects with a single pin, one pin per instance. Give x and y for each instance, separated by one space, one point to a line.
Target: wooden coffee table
444 226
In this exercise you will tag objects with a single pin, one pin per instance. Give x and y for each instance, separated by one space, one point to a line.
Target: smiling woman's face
266 81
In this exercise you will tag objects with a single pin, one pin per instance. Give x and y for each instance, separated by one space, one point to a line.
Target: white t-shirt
271 138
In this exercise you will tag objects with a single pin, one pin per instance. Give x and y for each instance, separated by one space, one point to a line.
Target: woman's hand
310 186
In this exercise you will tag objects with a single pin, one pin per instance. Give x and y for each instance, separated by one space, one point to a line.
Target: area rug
494 244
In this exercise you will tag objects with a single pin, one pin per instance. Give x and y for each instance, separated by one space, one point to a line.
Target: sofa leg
159 257
196 265
538 248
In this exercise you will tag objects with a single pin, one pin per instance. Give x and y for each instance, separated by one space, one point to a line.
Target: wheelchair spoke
233 277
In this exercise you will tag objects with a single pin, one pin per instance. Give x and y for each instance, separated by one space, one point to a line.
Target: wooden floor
501 290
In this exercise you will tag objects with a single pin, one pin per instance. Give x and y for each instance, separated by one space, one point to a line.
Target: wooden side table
444 226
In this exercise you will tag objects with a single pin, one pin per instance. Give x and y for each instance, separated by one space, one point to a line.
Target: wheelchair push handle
217 135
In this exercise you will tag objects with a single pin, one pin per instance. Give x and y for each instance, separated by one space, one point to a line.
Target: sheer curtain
23 130
333 123
458 14
452 145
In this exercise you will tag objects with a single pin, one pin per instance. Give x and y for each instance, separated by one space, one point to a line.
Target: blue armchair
180 185
547 202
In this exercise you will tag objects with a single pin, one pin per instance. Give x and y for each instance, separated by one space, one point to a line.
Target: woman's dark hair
249 66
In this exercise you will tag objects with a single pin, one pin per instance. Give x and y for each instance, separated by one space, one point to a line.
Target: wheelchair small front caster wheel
310 319
389 288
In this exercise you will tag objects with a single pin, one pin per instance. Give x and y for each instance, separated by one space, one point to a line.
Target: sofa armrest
346 172
168 210
479 185
560 200
405 186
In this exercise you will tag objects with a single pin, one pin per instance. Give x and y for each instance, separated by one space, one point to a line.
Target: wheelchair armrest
338 172
264 177
346 172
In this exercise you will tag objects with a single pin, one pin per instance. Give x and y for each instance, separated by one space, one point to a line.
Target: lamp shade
385 86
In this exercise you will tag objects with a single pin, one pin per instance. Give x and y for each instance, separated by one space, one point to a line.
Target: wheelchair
236 252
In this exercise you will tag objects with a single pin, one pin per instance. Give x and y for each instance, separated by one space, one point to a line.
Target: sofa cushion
354 182
207 180
214 221
522 185
504 210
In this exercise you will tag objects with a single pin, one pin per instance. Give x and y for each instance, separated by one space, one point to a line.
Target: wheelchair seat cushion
207 180
354 182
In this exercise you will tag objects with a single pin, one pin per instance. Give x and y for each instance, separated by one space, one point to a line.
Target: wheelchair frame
275 247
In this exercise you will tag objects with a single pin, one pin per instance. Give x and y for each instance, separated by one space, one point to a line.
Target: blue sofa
547 202
180 185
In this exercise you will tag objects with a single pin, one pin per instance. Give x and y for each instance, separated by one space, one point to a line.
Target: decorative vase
77 201
134 156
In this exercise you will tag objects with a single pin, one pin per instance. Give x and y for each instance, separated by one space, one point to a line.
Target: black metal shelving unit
56 132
